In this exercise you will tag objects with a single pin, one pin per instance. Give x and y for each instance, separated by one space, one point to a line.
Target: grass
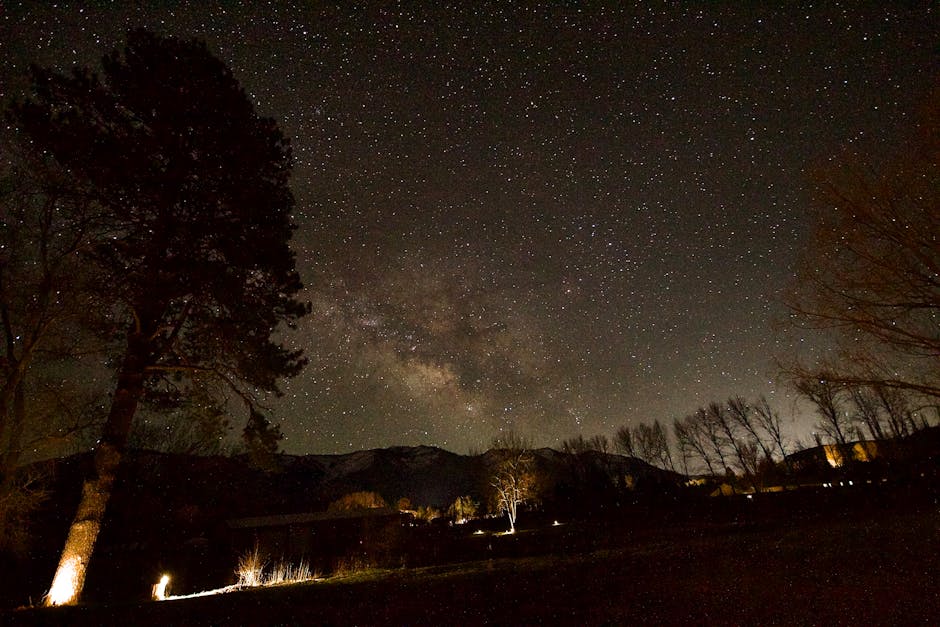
857 569
252 574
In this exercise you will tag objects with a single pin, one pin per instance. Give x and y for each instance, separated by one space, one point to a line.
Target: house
834 455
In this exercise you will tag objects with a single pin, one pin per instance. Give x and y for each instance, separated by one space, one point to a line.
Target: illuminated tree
194 188
427 513
514 480
464 508
514 484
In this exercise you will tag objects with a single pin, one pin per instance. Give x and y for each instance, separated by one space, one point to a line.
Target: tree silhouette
870 273
828 401
194 187
46 315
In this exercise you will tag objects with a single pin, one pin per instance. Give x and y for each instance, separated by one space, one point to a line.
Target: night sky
557 218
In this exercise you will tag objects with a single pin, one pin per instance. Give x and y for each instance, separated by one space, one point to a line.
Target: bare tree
771 424
46 309
514 484
684 448
727 429
624 441
692 435
514 480
826 397
45 303
871 273
647 442
579 445
511 440
663 449
898 410
600 443
710 424
867 410
745 416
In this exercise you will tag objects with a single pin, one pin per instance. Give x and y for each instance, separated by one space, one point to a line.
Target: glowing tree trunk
511 513
73 564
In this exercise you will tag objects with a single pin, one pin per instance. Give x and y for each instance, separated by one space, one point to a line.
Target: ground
859 566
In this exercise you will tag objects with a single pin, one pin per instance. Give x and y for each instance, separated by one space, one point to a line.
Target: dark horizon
545 219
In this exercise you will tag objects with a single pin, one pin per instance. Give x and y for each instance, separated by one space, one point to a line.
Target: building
834 455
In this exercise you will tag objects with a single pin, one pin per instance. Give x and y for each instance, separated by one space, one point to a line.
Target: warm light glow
863 451
159 588
282 573
556 524
65 582
204 593
478 532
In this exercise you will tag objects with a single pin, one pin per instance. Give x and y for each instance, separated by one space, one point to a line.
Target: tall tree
871 273
195 188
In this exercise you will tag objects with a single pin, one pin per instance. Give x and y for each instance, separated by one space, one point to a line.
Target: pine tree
194 187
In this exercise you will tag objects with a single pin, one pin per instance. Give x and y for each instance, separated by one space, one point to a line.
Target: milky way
558 218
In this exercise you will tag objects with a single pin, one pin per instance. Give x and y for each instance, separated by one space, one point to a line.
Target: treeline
750 440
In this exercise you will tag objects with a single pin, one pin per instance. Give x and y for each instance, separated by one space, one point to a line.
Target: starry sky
557 218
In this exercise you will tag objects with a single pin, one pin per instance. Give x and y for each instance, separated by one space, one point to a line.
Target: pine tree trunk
73 564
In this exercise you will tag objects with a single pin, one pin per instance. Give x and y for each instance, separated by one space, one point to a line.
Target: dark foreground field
854 568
